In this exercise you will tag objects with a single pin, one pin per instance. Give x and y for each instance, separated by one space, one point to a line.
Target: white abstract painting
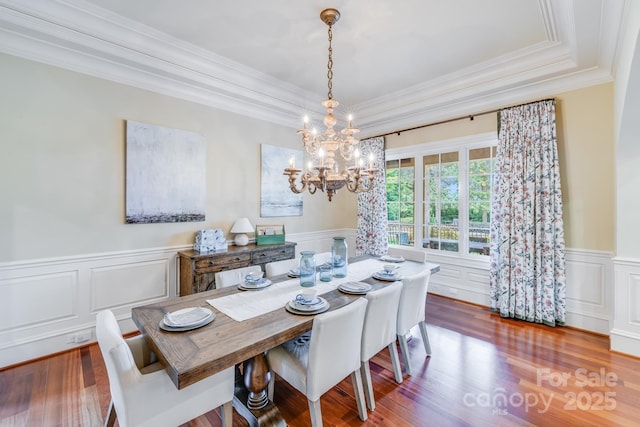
166 174
277 199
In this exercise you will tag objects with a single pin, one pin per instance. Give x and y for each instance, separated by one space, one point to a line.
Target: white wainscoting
625 335
46 303
589 285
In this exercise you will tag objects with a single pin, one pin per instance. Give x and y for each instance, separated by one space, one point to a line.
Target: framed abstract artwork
276 199
165 174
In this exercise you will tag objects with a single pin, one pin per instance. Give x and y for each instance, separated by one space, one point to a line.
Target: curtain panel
527 276
372 232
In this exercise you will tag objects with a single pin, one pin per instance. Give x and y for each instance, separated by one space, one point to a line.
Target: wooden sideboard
197 270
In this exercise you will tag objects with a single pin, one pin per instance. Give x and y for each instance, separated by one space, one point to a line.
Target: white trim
82 37
625 333
470 141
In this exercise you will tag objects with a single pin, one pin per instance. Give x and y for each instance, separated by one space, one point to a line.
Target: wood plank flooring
484 371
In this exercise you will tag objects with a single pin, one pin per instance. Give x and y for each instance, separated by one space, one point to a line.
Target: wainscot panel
52 303
625 335
589 285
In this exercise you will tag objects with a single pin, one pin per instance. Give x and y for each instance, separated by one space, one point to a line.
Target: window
441 201
444 205
481 167
400 175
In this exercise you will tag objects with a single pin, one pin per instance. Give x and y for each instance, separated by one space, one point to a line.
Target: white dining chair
227 278
411 312
380 325
276 268
409 254
322 258
332 354
145 396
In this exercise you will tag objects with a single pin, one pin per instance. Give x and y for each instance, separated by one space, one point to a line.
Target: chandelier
333 159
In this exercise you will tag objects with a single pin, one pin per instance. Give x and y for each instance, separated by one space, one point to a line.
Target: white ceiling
396 64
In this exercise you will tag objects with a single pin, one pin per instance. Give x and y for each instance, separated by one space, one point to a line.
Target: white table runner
249 304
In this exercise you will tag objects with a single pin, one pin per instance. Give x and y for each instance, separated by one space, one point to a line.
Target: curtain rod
468 116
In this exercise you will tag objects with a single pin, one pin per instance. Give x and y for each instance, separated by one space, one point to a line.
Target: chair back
121 367
231 277
408 254
334 349
322 258
276 268
380 320
413 297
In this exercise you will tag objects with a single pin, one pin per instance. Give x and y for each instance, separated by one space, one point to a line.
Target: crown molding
81 37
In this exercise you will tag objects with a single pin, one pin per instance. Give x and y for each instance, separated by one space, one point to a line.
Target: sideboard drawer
272 254
220 261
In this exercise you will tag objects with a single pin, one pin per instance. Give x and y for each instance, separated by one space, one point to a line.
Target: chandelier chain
332 157
330 66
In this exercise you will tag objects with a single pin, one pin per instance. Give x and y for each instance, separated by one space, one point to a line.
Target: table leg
250 399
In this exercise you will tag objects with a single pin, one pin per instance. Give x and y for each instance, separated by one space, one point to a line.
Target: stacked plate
387 276
187 319
389 258
317 305
355 288
252 285
294 272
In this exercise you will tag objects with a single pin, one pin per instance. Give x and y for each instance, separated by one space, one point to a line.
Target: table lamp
240 228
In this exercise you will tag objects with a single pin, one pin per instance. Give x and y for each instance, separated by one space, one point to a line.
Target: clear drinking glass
339 257
307 269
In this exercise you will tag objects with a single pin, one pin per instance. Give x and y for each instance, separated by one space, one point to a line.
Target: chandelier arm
293 175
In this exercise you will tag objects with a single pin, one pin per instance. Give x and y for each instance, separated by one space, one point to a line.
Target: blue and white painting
277 199
166 174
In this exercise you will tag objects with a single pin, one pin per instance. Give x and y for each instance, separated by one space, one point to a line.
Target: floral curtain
527 235
371 237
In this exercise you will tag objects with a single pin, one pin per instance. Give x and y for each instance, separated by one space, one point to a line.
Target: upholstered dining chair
380 325
411 312
407 253
276 268
322 257
332 353
231 277
144 396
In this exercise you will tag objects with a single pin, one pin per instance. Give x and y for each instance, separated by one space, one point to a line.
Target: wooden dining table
190 356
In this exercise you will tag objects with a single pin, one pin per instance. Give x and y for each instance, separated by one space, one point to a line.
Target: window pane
441 187
481 162
400 201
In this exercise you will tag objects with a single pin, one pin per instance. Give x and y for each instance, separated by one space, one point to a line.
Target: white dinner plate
296 308
389 258
355 288
381 275
253 287
294 272
200 324
187 317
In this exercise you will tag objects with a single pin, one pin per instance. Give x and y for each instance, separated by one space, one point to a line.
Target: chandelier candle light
325 171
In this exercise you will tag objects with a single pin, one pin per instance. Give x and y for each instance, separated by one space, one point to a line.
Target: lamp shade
242 225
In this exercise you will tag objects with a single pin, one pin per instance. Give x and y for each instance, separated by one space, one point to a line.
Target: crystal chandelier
325 170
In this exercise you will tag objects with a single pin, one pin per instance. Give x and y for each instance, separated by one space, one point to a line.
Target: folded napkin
186 316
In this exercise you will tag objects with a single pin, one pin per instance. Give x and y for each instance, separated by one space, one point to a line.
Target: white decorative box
210 240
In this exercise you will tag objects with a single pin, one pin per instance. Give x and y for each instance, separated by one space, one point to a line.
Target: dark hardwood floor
484 371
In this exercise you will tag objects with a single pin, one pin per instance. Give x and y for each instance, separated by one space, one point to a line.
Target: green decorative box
270 234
